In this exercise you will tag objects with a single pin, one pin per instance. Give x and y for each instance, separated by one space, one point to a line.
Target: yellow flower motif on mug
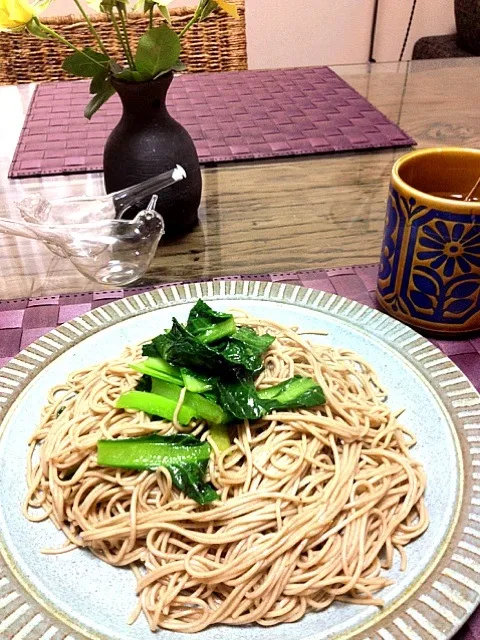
16 14
229 7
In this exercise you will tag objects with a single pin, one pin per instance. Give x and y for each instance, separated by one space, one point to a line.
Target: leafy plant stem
194 18
119 36
64 41
91 28
189 24
150 17
121 12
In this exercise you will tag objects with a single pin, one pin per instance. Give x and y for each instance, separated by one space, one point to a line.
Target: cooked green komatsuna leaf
219 434
200 406
240 399
156 405
196 382
211 345
257 344
151 451
189 478
240 356
294 393
245 349
184 456
208 325
149 350
182 349
144 384
159 368
228 358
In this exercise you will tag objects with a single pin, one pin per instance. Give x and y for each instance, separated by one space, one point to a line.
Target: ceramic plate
78 596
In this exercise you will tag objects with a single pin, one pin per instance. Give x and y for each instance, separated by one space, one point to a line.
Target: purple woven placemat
236 115
24 320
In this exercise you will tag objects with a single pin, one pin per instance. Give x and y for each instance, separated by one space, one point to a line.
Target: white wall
282 33
432 17
285 33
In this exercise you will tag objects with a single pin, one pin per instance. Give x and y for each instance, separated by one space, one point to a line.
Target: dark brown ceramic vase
147 141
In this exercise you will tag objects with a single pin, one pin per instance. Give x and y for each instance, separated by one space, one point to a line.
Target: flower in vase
15 15
157 52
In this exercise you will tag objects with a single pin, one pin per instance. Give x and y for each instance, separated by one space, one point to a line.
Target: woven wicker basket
218 44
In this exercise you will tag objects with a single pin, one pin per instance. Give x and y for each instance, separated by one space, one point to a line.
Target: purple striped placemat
235 115
24 320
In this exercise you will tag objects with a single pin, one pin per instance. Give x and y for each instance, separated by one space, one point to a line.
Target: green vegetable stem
163 400
213 364
184 456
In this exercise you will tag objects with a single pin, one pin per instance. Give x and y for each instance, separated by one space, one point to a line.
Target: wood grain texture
265 216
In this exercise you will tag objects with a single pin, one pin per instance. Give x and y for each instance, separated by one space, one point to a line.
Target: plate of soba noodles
240 460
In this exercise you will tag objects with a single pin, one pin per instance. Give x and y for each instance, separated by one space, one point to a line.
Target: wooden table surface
264 216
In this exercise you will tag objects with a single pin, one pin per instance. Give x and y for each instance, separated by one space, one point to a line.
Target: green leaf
127 75
208 325
180 348
156 405
149 350
240 355
158 51
228 357
98 99
98 81
159 368
189 478
240 399
195 382
114 66
294 393
165 13
207 10
144 384
257 344
85 64
200 406
179 66
185 457
219 434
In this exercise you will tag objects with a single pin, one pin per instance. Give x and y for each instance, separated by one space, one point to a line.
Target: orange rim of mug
435 202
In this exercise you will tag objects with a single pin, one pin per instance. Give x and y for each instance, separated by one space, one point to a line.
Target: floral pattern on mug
450 248
429 264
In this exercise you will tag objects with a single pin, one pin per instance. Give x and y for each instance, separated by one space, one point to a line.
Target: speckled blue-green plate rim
442 588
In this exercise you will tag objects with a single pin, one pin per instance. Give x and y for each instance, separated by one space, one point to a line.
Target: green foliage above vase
157 53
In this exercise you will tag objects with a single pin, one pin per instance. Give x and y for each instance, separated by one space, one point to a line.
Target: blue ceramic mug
429 274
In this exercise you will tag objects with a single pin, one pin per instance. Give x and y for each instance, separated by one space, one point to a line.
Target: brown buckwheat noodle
312 503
